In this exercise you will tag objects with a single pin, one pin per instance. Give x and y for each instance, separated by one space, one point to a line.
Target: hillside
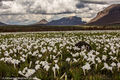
2 24
72 20
110 15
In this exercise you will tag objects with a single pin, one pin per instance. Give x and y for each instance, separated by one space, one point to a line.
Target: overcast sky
30 11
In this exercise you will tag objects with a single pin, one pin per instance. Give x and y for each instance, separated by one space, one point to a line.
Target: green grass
62 45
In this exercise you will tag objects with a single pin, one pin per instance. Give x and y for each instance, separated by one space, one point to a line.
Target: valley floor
38 28
54 56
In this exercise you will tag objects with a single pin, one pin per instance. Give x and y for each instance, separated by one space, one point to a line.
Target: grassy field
34 28
54 56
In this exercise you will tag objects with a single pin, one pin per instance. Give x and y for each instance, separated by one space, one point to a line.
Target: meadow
54 56
38 28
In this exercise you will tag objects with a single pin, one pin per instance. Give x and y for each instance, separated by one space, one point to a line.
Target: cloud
46 6
38 6
26 11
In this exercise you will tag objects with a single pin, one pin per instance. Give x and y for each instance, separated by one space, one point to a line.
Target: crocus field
54 56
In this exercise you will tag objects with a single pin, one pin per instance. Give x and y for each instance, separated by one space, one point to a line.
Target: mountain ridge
42 22
2 24
72 20
110 15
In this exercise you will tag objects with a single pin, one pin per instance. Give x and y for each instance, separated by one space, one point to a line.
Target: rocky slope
110 15
2 24
72 20
42 22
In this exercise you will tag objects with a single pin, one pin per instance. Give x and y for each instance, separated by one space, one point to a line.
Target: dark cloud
45 7
86 9
80 5
93 2
6 0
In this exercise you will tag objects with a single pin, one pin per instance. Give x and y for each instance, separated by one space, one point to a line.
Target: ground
54 56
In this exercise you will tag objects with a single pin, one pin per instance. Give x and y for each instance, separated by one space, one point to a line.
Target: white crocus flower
29 72
97 53
30 64
86 67
6 53
35 53
37 67
98 59
39 55
30 53
24 70
54 57
22 59
85 57
113 64
56 61
104 57
118 65
57 67
68 59
46 67
107 67
110 53
24 56
11 51
54 71
35 78
43 50
20 72
37 62
113 58
2 59
50 48
74 60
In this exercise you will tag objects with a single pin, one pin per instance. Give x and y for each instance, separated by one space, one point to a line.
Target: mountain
42 22
73 20
110 15
1 24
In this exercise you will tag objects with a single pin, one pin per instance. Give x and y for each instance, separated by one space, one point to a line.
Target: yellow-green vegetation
54 56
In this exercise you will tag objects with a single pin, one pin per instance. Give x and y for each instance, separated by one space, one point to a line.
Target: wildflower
22 59
6 53
50 48
2 59
113 64
35 78
37 67
54 71
37 62
39 55
107 67
29 72
97 53
113 58
85 57
20 73
30 64
74 60
110 53
24 70
68 59
56 67
30 52
43 50
86 67
55 61
98 59
104 57
118 65
46 67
